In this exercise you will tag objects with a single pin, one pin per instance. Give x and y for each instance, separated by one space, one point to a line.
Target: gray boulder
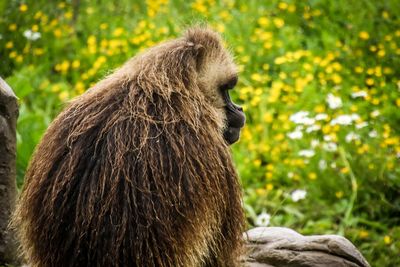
283 247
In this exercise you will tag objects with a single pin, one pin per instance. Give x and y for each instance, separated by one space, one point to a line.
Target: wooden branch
8 188
283 247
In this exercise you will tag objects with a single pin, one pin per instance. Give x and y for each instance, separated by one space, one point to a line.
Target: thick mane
135 172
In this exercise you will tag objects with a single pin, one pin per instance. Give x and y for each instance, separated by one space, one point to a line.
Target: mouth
232 134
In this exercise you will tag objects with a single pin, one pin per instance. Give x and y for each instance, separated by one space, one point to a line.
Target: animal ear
204 36
199 52
204 41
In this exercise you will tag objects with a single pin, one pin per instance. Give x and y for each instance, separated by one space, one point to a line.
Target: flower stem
354 187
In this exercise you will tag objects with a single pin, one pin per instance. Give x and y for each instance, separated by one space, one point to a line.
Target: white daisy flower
296 134
334 102
345 119
373 134
321 116
361 125
330 146
298 194
263 219
359 94
351 137
322 164
30 35
313 128
308 153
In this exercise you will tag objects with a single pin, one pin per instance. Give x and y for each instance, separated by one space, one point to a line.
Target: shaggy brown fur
135 172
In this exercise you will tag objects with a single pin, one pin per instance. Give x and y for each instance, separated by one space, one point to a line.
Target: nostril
237 107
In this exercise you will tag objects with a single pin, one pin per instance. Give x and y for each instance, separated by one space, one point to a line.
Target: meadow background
319 82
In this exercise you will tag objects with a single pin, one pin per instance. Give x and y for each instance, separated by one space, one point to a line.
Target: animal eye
230 84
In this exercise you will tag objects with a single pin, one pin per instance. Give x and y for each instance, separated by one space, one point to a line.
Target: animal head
195 66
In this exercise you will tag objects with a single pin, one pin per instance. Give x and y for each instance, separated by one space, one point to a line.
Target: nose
238 107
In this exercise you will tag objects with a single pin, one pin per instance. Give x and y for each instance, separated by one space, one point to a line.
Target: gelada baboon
137 171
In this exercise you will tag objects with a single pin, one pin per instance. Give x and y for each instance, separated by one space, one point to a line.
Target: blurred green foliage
319 83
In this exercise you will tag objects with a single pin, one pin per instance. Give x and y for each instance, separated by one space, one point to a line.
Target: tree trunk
8 188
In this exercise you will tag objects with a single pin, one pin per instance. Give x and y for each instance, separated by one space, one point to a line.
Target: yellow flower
118 32
54 22
57 33
256 77
103 26
269 186
225 15
260 191
326 129
370 81
23 8
55 88
268 118
263 21
317 12
282 6
279 137
13 54
267 45
35 28
279 23
245 59
68 15
63 66
292 8
387 70
38 15
390 165
381 53
257 162
80 87
270 167
339 194
391 141
371 166
12 27
9 45
354 108
268 175
363 234
255 101
38 51
220 27
19 58
364 35
319 109
199 6
387 239
312 176
336 78
246 134
63 95
76 63
280 60
91 40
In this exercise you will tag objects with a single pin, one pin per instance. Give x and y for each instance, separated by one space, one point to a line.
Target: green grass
292 55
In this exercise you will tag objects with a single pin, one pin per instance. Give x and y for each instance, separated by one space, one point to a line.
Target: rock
283 247
8 187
